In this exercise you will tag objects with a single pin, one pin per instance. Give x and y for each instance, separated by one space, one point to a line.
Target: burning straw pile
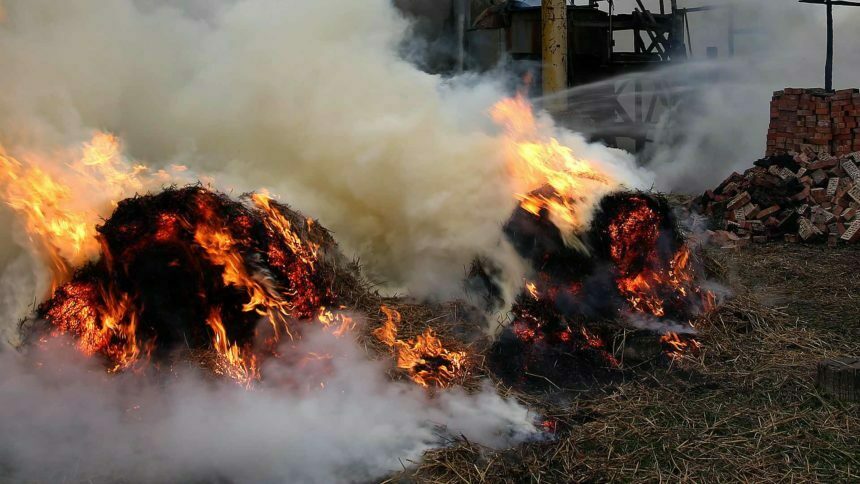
636 270
189 268
189 273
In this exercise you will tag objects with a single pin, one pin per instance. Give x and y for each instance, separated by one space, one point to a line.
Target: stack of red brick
807 196
829 121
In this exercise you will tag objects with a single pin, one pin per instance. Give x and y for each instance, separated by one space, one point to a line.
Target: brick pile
810 196
828 121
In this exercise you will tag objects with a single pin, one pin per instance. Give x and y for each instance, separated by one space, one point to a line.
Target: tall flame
61 203
263 297
236 363
536 161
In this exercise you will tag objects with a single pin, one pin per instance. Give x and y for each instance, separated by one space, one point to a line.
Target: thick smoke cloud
308 99
315 419
312 101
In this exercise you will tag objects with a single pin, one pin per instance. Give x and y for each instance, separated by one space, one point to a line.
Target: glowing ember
101 322
649 279
424 358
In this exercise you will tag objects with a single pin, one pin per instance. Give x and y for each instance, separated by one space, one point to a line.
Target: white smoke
307 99
782 45
64 419
312 101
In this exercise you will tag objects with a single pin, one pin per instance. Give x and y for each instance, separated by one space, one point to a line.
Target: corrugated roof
524 4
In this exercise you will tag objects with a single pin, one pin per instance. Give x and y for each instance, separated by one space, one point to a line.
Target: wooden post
554 52
731 30
461 12
828 64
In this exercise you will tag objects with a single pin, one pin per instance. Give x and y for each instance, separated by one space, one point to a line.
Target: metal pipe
554 52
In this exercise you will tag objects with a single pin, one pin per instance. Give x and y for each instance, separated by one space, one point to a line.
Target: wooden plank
840 3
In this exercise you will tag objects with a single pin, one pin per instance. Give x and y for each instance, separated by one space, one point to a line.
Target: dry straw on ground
745 409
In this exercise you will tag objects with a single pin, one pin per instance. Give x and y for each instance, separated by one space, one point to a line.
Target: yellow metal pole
554 52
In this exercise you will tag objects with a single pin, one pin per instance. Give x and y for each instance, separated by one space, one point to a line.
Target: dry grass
745 409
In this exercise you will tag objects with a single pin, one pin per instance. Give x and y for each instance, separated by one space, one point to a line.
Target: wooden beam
828 64
652 35
840 378
838 3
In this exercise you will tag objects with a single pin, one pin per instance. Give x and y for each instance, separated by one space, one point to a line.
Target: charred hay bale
178 266
562 324
540 242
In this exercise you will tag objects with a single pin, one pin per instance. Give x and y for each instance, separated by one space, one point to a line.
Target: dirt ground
745 409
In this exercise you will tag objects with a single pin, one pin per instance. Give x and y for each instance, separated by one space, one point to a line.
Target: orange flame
339 323
634 238
676 347
101 321
263 297
535 161
233 361
424 358
61 203
276 222
531 287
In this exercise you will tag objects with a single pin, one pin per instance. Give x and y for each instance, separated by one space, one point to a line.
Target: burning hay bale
191 269
809 196
636 266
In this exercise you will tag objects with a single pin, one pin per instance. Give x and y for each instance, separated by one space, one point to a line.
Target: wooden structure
828 63
627 108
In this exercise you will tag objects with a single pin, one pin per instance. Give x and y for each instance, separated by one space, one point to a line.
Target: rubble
807 196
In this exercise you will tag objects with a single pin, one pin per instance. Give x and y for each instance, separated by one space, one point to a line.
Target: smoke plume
782 44
324 414
310 100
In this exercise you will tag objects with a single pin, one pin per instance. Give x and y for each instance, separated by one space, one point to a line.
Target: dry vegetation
745 409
